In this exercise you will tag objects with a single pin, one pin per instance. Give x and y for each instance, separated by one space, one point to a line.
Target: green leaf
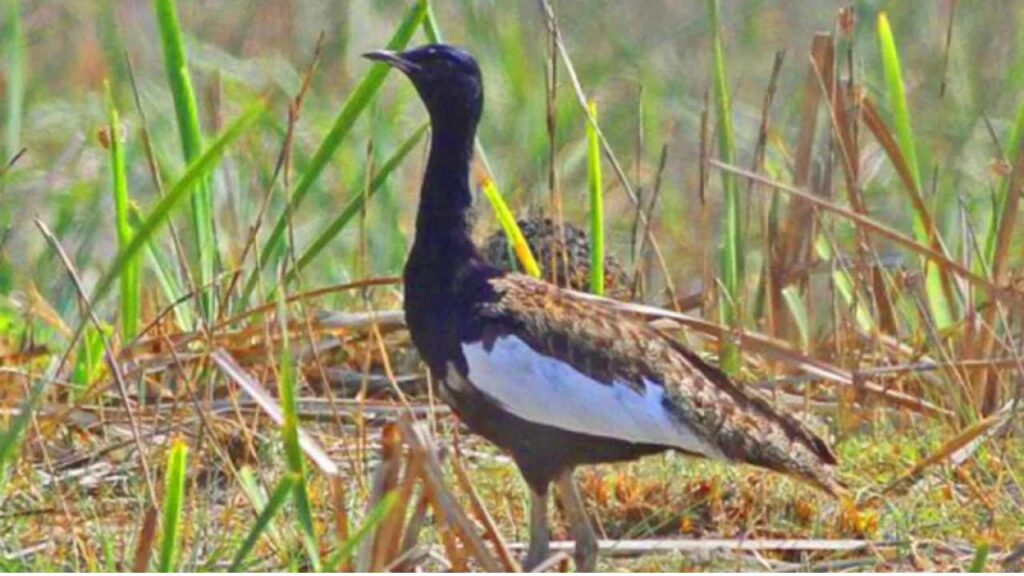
731 252
130 281
285 488
174 501
897 96
791 295
596 205
1013 144
89 359
846 287
290 434
517 241
370 523
980 558
164 271
937 301
187 115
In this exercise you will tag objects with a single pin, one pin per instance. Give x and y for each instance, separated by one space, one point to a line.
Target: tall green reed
938 303
187 116
287 393
596 189
731 253
130 281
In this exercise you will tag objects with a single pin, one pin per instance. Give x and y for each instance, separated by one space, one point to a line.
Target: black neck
445 277
442 225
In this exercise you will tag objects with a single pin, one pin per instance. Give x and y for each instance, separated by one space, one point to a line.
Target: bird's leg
539 532
582 531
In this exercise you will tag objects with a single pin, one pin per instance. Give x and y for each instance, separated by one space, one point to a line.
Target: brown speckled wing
608 345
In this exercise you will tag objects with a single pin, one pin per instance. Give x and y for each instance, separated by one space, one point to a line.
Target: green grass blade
795 303
845 286
10 439
174 501
596 205
508 223
176 65
14 53
198 170
130 287
253 488
897 96
285 488
937 301
1013 143
370 523
430 27
89 360
980 558
507 220
187 115
290 433
165 276
731 251
110 550
357 102
356 204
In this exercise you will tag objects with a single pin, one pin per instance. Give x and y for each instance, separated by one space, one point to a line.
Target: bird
557 378
563 251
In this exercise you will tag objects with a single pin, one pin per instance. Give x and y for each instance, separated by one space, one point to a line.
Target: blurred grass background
648 67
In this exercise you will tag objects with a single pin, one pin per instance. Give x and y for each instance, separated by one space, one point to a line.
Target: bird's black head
447 79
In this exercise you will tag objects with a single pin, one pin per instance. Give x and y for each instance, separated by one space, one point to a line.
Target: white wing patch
548 391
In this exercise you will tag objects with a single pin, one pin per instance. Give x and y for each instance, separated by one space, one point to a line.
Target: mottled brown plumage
564 258
608 345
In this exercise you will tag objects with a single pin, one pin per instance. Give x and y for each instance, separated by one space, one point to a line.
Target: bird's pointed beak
393 59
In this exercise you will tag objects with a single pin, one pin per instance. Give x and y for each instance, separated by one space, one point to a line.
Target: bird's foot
582 531
586 552
539 533
534 559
